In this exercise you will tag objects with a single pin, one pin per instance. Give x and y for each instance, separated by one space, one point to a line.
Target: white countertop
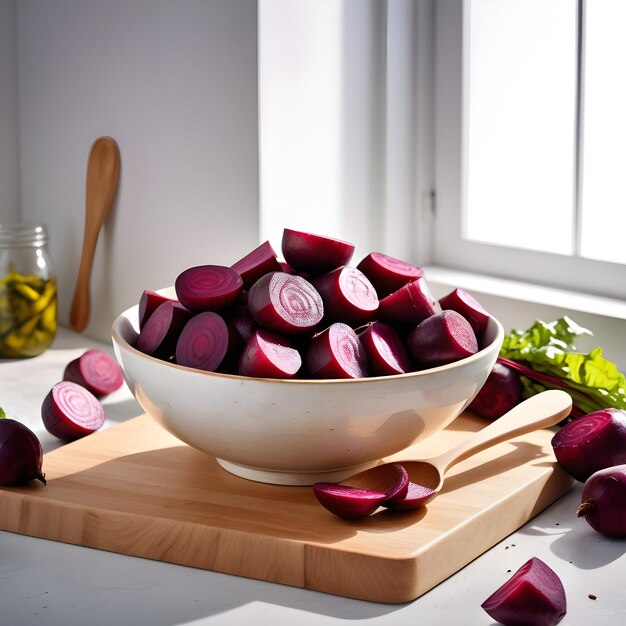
46 583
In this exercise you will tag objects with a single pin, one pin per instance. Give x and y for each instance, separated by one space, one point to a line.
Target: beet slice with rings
208 287
204 342
159 335
591 443
148 303
336 352
442 338
410 304
346 501
387 273
348 295
95 370
464 303
317 254
269 355
533 595
285 303
70 411
385 350
256 263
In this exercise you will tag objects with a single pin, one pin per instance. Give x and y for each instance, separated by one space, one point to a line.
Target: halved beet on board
348 296
285 303
208 287
533 596
269 355
442 338
387 273
70 411
336 352
316 254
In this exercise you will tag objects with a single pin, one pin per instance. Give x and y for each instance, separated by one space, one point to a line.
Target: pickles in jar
28 314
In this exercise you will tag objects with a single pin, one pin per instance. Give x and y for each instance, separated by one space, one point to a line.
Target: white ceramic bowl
297 432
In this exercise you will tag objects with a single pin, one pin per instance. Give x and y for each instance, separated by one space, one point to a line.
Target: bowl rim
123 344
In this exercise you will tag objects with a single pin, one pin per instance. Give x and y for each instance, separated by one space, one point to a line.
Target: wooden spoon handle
103 171
540 411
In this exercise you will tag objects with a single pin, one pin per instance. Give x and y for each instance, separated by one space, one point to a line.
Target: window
530 137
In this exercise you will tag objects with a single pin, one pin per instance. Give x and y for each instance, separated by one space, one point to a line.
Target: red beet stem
208 287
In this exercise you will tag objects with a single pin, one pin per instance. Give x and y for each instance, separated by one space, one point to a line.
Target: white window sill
518 304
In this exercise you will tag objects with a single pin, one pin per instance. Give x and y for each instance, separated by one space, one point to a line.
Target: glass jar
28 291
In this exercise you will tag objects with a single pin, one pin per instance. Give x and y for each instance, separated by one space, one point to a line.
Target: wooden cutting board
134 489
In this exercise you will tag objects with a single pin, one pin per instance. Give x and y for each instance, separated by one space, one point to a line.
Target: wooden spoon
427 476
103 173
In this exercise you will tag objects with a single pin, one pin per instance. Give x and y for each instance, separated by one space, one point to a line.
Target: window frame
449 248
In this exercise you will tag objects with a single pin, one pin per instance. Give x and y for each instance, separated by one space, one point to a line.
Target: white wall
9 141
175 83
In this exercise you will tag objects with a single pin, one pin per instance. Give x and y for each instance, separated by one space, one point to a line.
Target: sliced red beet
348 502
95 370
603 501
348 295
410 304
336 352
591 443
159 335
387 273
464 303
269 355
500 393
285 303
257 263
243 323
208 287
416 496
148 303
442 338
533 595
306 252
203 342
70 411
385 351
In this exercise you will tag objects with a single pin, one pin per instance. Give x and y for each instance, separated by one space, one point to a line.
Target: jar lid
23 235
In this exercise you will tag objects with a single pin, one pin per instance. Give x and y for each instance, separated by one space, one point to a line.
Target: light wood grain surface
135 489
